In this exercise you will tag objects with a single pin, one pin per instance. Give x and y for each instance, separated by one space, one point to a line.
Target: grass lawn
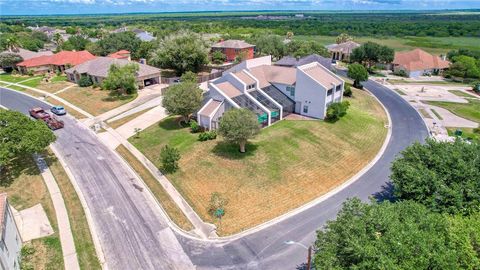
70 110
470 110
462 93
286 165
26 91
85 248
162 196
424 113
25 188
8 77
124 120
94 101
435 45
437 114
446 83
53 86
468 133
400 92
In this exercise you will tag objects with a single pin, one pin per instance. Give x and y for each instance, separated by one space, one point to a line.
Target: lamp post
309 250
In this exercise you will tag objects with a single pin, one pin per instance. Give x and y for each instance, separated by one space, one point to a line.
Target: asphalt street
132 230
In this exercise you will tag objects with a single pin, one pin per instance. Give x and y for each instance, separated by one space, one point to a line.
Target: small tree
347 92
337 110
217 204
189 77
239 125
169 156
218 57
121 79
85 81
343 37
183 99
289 35
358 73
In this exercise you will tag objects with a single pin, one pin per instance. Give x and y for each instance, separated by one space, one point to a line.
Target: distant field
435 45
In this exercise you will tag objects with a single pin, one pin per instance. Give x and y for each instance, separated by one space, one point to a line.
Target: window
251 86
329 92
339 87
305 109
291 89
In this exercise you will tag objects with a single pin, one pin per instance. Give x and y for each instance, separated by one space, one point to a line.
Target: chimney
142 61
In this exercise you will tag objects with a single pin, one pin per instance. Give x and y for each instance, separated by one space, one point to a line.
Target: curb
88 215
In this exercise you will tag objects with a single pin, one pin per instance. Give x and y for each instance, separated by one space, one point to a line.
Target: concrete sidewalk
143 121
66 238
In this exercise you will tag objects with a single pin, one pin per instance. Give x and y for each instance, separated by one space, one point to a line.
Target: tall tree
239 125
8 60
371 53
183 99
78 43
12 44
443 176
116 42
358 73
20 135
269 44
182 51
402 235
304 48
58 39
122 79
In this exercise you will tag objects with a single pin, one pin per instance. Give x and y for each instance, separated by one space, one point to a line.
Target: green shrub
401 73
85 81
169 156
58 73
208 135
337 110
30 73
347 92
194 126
476 130
476 87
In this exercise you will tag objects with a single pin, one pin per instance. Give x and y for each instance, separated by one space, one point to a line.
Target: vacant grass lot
158 191
435 45
287 165
94 101
84 246
25 188
470 110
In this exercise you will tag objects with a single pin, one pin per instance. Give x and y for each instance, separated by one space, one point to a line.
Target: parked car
53 123
38 113
58 110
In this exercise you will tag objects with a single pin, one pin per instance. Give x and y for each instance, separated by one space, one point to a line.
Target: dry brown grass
167 203
25 188
53 87
94 101
286 166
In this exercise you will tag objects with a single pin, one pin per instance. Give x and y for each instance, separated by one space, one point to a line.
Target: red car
40 114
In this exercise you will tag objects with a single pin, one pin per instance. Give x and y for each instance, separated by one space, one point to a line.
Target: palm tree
12 44
57 38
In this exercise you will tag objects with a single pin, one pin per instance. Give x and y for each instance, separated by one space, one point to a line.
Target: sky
44 7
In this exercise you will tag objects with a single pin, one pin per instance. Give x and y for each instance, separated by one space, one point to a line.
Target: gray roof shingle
99 67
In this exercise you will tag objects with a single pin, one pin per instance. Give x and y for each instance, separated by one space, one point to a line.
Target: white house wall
310 93
11 245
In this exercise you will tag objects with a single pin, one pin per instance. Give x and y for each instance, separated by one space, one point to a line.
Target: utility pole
309 257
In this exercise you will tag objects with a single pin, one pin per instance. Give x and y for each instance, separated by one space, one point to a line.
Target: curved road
134 233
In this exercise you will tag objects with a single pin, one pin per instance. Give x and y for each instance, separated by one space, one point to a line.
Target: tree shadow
232 150
21 165
386 193
172 123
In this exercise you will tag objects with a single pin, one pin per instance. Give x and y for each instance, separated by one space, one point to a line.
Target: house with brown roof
418 62
97 69
53 63
233 48
342 51
272 92
10 239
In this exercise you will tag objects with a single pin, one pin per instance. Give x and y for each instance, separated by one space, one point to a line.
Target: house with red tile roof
418 62
233 48
122 54
53 63
271 92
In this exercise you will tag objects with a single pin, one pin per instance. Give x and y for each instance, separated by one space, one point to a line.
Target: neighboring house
233 48
290 61
418 62
342 51
53 63
10 240
97 69
26 54
139 33
271 92
50 31
122 54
